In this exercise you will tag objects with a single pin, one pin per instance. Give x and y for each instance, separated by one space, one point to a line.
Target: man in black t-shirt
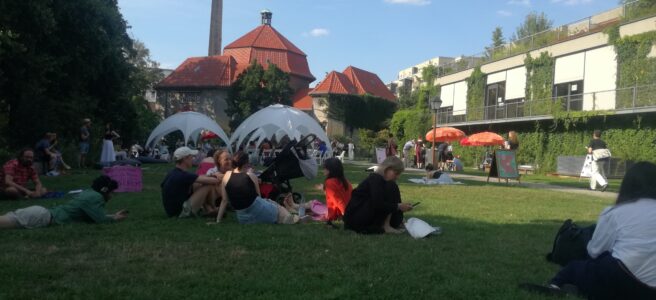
186 194
599 165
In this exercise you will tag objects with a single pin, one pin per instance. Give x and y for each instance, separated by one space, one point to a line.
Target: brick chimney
216 25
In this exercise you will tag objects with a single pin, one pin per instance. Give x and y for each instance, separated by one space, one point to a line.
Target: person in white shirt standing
622 250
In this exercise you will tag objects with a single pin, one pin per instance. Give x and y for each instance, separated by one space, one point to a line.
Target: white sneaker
186 210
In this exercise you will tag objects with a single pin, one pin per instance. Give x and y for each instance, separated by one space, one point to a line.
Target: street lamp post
435 103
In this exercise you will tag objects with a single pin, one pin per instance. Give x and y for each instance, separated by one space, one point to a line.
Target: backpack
570 243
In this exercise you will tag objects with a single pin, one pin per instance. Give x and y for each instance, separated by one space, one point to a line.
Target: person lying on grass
186 194
16 173
337 188
622 250
242 190
88 206
431 173
375 205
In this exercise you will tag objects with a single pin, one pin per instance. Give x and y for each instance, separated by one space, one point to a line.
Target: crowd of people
375 206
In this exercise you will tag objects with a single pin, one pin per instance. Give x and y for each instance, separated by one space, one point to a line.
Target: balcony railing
624 100
627 12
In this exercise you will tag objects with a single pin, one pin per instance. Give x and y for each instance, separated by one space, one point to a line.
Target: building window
494 97
570 95
445 115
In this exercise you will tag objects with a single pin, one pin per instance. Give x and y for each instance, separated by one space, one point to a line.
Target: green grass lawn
494 237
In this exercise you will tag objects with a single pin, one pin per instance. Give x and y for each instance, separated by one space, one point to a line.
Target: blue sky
381 36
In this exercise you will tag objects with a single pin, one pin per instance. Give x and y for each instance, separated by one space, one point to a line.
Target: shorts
261 211
31 217
84 147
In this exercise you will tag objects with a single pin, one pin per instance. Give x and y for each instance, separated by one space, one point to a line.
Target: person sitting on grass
15 175
222 164
375 207
622 250
337 188
88 206
242 190
179 195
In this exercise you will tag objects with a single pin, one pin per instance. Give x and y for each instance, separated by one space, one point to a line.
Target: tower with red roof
201 83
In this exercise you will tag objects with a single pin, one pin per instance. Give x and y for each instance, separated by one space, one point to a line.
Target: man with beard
15 175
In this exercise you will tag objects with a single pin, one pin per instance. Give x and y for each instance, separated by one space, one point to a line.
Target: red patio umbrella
465 142
444 134
485 138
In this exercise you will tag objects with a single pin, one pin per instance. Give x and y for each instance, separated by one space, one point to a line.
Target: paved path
543 186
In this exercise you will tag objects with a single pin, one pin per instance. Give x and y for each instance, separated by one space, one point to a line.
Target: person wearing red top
338 189
15 175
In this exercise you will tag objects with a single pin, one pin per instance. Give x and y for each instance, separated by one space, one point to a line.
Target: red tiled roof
265 44
302 99
335 83
353 81
264 36
206 71
368 83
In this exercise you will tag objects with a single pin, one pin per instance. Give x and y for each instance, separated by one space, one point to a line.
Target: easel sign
380 155
504 165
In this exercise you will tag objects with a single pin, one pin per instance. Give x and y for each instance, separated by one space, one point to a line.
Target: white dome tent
278 120
190 123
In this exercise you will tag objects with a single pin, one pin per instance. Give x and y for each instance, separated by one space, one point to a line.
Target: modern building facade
585 77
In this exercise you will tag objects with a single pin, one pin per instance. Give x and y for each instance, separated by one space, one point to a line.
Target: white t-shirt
628 232
408 145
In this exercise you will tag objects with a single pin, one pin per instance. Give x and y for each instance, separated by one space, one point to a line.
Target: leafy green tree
533 23
255 89
406 98
497 37
428 74
497 42
62 61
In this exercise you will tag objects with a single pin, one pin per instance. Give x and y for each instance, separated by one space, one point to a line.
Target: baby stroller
292 162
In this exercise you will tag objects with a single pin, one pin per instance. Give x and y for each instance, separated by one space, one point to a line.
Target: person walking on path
601 157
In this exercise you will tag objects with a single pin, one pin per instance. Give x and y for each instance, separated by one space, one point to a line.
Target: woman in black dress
375 205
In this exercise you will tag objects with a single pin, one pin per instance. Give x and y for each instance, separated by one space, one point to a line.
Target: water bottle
301 209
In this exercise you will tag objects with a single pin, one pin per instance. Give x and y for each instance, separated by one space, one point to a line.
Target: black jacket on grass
371 202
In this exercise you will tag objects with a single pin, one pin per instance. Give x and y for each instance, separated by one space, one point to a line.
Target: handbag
600 154
570 243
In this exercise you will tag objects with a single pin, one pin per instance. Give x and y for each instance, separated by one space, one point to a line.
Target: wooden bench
527 169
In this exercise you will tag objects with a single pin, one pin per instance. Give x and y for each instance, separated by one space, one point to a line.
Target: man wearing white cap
179 196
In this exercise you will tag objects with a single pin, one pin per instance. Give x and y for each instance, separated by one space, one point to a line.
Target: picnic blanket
444 179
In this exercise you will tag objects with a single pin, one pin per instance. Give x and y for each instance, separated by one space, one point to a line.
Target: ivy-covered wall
475 94
360 111
634 67
628 137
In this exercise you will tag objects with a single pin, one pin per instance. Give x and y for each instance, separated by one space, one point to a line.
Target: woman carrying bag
601 157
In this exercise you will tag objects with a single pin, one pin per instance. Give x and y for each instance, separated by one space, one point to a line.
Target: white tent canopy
190 123
278 120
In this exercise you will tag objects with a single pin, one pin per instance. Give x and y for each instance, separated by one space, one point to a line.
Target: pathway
543 186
